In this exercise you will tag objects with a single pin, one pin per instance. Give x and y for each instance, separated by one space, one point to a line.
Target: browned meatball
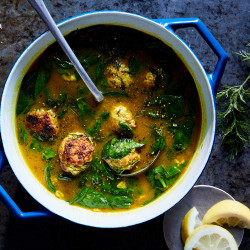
75 152
42 122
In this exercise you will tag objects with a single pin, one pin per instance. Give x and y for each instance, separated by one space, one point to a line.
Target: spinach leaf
91 60
112 189
164 99
175 109
96 176
161 178
119 148
61 99
116 93
134 185
62 113
47 177
157 194
62 63
99 70
36 145
94 199
136 66
22 103
22 134
120 201
93 132
125 130
85 178
43 76
48 154
103 168
80 196
157 178
103 84
159 143
183 135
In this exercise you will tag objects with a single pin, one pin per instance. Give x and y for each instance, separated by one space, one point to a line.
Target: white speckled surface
229 23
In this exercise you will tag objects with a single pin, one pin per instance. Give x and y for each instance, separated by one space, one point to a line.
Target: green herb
80 196
116 93
112 189
94 199
47 177
155 115
183 135
62 113
234 121
61 99
62 63
96 176
119 148
93 132
22 134
161 178
159 143
120 201
36 145
48 154
103 84
103 168
125 130
136 66
22 103
42 79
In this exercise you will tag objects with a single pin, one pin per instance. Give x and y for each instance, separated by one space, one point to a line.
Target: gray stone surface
228 20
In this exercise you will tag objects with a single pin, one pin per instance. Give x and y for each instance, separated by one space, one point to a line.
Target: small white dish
202 197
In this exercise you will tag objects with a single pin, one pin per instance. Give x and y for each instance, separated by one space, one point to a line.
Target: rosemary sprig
234 122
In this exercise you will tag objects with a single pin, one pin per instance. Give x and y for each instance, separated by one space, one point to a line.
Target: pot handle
11 205
177 23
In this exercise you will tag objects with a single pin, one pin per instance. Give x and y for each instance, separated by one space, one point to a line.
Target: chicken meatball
43 123
122 114
125 163
118 75
149 79
75 152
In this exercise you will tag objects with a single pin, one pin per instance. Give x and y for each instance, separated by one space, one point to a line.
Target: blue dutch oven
207 84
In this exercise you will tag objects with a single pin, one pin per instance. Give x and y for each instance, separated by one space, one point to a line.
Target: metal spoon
143 169
41 9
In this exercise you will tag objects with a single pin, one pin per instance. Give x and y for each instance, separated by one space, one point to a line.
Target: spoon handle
41 9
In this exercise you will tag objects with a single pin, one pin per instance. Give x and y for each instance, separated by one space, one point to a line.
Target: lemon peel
210 237
228 213
189 223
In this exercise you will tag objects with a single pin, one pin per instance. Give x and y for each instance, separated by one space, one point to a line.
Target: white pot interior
81 215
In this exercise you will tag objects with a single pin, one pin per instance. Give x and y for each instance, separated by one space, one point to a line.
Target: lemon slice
189 223
228 212
210 237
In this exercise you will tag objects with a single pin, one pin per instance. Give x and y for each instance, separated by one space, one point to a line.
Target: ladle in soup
41 9
142 170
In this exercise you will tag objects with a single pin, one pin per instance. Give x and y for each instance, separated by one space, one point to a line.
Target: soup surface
84 151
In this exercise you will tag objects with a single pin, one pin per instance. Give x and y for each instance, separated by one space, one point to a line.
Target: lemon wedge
210 237
189 223
228 212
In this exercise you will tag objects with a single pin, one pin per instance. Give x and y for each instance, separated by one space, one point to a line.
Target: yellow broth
139 96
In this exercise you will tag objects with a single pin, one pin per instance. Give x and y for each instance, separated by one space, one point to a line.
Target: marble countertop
228 21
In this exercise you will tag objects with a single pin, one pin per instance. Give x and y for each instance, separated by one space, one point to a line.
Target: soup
88 153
